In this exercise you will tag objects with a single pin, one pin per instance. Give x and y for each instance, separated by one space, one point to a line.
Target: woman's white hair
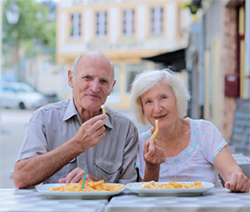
148 79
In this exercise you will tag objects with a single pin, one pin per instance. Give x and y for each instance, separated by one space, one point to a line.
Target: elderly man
64 138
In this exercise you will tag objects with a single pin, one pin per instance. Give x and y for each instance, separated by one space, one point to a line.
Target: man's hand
91 132
76 176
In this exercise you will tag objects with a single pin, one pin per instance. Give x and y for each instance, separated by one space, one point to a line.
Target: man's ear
112 87
70 78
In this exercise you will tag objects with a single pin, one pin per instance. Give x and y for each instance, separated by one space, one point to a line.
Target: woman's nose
157 107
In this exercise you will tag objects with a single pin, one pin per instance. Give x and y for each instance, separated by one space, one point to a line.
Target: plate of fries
153 188
92 189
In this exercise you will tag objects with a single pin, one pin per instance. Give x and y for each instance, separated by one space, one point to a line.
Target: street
13 123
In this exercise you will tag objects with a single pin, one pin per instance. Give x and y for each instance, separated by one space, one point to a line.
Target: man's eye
163 97
104 81
147 102
86 77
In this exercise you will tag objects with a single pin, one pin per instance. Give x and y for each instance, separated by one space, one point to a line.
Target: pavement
12 130
12 123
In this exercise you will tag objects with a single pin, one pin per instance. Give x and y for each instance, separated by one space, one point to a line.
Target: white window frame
128 22
101 22
115 97
136 68
156 20
75 26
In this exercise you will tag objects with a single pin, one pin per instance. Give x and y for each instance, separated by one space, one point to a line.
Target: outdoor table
27 200
214 200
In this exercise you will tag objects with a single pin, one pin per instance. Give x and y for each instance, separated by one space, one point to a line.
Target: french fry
89 187
103 109
156 130
171 185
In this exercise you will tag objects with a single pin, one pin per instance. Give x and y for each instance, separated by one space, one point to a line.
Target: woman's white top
196 161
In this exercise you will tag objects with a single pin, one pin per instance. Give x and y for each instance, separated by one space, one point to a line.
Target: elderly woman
184 149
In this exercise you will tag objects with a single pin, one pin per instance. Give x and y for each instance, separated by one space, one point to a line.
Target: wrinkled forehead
95 63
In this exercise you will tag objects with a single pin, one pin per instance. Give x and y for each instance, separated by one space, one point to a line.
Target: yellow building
125 31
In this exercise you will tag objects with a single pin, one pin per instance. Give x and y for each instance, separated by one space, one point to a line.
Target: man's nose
95 86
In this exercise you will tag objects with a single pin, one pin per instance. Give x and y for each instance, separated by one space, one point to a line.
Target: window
115 97
101 24
156 20
75 25
128 22
132 70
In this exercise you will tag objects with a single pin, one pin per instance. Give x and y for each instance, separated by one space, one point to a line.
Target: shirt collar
71 111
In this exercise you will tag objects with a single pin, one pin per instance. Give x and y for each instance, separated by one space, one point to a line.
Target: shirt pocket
108 170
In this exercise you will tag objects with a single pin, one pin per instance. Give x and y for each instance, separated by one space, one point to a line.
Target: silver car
20 95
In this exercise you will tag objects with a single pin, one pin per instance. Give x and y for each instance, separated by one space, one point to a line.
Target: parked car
20 95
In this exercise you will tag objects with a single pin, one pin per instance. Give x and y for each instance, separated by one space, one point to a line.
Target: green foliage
33 29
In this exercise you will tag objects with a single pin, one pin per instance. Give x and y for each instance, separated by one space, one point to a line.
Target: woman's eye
163 97
147 102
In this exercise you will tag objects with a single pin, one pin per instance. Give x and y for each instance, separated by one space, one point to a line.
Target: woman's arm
232 174
153 157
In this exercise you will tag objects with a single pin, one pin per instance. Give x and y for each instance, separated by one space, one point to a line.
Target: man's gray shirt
113 159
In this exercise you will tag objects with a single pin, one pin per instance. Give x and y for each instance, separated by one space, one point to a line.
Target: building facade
125 31
219 59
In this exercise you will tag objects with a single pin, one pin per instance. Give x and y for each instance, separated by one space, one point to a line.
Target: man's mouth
93 96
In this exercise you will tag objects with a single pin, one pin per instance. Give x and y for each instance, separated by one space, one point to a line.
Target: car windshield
24 88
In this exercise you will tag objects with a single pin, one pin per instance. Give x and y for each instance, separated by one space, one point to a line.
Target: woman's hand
232 174
76 176
238 182
153 155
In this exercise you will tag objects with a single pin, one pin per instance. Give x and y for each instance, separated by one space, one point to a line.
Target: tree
33 29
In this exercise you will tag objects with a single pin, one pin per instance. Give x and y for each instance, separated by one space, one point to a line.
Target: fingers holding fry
103 109
156 130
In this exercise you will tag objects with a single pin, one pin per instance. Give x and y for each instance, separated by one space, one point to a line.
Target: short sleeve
212 142
34 142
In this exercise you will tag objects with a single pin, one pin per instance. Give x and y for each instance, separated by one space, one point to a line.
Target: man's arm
36 169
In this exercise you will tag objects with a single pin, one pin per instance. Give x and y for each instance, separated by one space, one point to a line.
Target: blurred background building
218 60
207 42
129 33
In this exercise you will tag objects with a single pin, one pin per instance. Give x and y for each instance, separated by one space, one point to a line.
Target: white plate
135 187
44 189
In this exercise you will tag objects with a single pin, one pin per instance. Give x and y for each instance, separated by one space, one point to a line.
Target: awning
176 59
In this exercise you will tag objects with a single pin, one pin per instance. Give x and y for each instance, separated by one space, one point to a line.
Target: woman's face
159 102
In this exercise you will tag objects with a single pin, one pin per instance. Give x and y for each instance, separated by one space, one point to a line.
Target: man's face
92 83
